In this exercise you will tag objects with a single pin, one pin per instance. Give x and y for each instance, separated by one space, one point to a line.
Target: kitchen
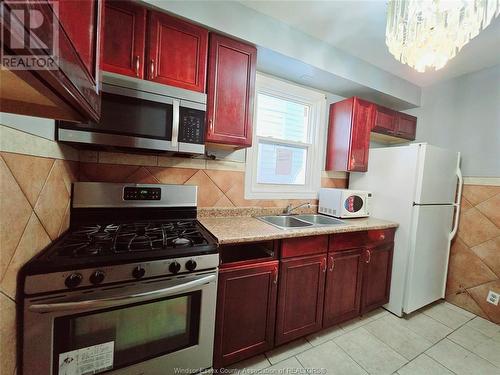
225 185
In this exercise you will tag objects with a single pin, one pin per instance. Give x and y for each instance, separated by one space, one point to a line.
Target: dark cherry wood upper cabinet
406 126
348 140
246 308
75 17
384 121
343 286
376 276
124 38
231 91
177 52
300 297
68 89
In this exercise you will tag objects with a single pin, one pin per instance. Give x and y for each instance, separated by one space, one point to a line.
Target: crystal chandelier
428 33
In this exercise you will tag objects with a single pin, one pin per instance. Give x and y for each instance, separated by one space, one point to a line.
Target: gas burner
182 241
138 237
87 241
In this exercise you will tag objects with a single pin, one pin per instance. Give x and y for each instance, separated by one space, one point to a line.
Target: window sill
281 195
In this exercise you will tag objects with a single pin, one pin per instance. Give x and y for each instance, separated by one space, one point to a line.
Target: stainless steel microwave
142 114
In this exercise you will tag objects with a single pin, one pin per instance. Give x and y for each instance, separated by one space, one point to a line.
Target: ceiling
358 28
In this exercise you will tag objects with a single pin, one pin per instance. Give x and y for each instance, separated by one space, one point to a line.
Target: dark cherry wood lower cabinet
246 308
300 297
376 277
343 286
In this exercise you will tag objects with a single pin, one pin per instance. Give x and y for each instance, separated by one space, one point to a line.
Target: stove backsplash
34 198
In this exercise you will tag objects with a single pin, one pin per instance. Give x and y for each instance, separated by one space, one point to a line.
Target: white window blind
283 161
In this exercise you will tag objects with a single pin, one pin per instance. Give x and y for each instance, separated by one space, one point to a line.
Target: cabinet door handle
275 272
211 125
333 264
137 64
152 69
323 263
369 256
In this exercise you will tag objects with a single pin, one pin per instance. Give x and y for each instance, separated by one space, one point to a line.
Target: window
285 160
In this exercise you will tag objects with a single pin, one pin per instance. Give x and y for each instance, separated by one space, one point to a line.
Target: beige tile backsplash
474 267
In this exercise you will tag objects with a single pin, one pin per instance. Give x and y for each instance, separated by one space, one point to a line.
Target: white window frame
317 116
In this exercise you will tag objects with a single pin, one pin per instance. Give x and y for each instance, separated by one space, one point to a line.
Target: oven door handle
122 300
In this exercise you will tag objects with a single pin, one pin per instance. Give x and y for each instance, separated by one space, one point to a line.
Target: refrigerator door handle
457 204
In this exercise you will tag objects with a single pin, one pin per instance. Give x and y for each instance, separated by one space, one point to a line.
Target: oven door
151 327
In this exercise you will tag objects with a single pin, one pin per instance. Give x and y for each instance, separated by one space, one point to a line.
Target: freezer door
429 253
436 175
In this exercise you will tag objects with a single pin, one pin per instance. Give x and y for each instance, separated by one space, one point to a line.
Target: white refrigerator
416 186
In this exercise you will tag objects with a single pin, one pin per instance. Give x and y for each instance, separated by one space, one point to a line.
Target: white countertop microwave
344 203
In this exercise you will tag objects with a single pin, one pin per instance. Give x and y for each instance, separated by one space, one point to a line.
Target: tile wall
220 183
34 204
474 267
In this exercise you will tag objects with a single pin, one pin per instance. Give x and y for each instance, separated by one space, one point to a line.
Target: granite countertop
230 230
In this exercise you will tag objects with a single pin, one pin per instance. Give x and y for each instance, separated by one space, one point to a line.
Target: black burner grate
95 240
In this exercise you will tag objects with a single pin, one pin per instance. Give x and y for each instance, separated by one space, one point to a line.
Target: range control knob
138 272
73 280
174 267
97 277
191 265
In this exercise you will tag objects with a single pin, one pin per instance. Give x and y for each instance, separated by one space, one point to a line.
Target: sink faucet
288 210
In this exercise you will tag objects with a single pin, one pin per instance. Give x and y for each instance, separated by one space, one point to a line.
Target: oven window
139 332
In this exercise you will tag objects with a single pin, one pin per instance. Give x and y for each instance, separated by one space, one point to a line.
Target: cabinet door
406 126
376 277
385 120
177 52
300 297
231 90
343 286
362 124
81 22
246 308
124 38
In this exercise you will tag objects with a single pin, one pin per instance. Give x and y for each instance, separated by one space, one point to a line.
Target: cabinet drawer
380 236
352 240
296 247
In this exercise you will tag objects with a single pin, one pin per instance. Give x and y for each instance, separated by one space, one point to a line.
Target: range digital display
131 193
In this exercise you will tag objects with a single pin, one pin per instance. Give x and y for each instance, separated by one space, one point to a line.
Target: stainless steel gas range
129 289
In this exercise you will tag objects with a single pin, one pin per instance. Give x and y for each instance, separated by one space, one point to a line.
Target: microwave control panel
191 125
131 193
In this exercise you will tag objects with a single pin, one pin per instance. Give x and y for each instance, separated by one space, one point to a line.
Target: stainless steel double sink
300 221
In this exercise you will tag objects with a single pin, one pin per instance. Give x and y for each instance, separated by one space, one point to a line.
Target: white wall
463 114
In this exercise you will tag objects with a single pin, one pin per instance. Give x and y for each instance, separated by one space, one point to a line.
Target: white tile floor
440 339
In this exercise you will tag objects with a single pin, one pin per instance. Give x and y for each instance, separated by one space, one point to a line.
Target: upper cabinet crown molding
231 91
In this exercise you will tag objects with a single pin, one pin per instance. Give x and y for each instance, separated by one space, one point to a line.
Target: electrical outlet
493 298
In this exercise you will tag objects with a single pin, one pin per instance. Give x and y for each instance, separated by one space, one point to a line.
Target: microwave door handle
175 122
122 300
